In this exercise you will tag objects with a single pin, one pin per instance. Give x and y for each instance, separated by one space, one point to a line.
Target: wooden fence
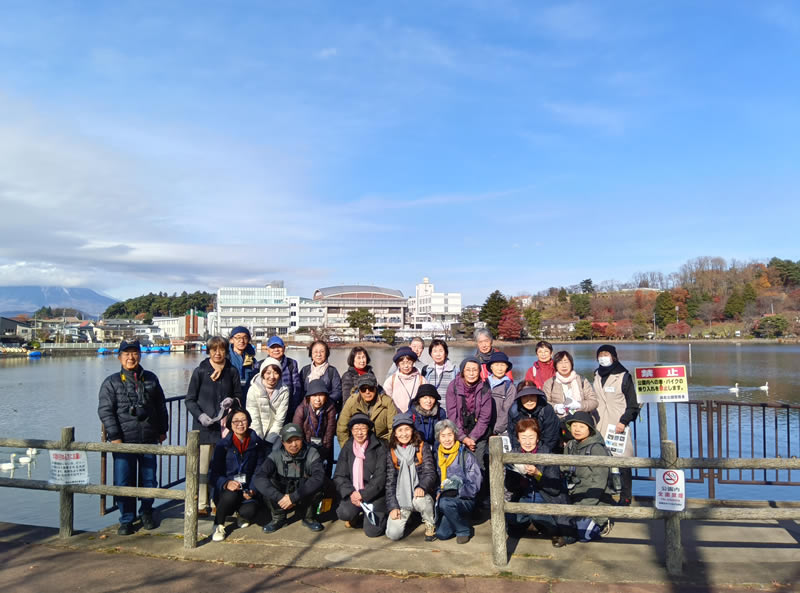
66 493
672 519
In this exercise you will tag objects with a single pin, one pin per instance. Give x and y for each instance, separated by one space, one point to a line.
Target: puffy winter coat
204 396
300 476
290 378
424 422
555 395
332 381
549 424
457 409
427 476
320 426
382 412
374 490
539 372
269 414
227 462
466 468
124 390
349 379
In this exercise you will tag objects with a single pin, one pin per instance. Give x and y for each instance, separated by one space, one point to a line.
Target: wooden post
663 433
672 523
497 498
192 489
66 507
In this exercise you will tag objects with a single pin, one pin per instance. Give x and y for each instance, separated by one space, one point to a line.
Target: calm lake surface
39 397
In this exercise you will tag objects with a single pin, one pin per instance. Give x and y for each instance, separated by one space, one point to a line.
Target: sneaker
624 501
147 521
607 528
313 524
273 525
430 533
462 539
559 542
219 533
125 529
243 524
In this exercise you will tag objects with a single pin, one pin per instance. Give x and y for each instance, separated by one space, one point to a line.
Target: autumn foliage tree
510 325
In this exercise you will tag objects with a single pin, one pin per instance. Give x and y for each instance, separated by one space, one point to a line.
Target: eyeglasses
238 421
365 388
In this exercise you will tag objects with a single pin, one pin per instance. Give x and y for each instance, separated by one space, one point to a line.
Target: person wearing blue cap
242 356
132 409
290 374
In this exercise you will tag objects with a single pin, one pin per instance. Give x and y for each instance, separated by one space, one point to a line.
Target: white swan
765 386
734 389
24 459
31 451
9 465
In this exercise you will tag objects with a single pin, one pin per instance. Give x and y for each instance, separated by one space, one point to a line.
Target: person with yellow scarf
459 482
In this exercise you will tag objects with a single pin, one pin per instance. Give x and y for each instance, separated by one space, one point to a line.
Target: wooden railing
672 519
66 493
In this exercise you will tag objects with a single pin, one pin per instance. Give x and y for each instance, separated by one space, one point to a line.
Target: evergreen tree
749 294
510 326
583 330
664 309
771 327
587 287
735 305
581 305
533 321
492 311
362 320
562 295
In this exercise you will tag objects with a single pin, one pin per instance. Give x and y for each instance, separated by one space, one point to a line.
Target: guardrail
672 519
191 451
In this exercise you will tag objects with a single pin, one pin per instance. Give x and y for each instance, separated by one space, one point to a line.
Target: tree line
161 304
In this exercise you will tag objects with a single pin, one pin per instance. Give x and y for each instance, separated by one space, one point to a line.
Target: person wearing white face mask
618 405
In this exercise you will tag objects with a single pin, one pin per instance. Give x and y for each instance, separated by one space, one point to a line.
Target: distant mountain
27 299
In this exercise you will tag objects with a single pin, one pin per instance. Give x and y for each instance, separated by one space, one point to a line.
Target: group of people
415 443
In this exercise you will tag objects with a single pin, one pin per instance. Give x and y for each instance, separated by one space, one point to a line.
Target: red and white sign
661 384
670 490
68 467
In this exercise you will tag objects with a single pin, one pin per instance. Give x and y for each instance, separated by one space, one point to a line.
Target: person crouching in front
292 477
411 479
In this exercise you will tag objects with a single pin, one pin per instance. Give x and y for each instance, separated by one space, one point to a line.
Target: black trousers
347 511
231 501
305 508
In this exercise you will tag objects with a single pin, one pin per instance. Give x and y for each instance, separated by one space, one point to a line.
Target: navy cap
132 345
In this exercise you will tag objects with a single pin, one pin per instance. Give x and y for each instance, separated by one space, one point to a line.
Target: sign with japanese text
661 384
68 467
670 490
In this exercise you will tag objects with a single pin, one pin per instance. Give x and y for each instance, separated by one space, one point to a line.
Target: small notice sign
616 443
68 467
670 490
661 384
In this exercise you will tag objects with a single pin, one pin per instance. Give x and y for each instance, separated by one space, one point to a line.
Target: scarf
241 445
570 386
406 475
470 393
360 372
359 454
484 358
447 457
409 384
317 371
494 381
218 368
238 360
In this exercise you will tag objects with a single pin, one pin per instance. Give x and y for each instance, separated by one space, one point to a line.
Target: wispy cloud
327 53
608 120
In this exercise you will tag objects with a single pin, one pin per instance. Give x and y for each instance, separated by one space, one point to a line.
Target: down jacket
268 414
122 390
332 381
374 490
349 379
427 476
381 412
466 468
549 424
204 396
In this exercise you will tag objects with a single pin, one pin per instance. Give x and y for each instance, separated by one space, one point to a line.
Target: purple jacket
456 406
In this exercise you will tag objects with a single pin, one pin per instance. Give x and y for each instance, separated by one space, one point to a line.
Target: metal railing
191 451
672 519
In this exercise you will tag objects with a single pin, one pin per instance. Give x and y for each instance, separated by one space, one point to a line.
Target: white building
179 328
433 311
305 313
386 304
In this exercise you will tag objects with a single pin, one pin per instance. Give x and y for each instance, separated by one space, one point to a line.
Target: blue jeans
544 523
125 473
454 515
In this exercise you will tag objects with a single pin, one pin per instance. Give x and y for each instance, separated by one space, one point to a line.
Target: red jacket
540 372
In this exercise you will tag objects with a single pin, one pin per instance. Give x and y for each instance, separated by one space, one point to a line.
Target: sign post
670 490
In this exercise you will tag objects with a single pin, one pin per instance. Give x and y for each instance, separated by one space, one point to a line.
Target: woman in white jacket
268 401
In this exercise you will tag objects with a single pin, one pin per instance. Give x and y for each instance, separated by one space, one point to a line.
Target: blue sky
510 145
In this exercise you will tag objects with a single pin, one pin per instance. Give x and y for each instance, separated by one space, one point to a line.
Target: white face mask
605 361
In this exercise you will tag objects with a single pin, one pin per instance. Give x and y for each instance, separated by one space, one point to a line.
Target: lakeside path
729 556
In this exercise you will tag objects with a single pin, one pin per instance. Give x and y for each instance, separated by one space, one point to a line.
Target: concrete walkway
721 556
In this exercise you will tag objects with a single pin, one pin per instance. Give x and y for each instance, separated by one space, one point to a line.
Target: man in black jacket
291 477
132 409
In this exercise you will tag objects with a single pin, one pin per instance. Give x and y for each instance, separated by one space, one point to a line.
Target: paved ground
721 556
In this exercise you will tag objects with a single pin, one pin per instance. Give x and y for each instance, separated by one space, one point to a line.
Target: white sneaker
219 533
243 524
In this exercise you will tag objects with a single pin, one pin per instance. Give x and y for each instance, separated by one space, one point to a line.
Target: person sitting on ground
358 363
441 372
531 483
402 385
291 477
267 401
531 402
543 368
319 369
588 486
459 483
317 416
368 400
503 391
426 412
236 458
411 479
360 477
567 391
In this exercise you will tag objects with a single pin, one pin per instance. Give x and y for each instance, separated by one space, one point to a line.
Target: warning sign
670 490
68 467
661 384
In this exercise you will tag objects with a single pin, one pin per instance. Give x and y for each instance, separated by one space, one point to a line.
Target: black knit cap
607 348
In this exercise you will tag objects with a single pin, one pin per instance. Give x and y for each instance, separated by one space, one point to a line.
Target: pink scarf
359 452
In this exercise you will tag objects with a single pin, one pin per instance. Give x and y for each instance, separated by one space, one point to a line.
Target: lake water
39 397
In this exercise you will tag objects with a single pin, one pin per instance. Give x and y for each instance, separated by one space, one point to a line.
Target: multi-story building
433 311
264 310
305 313
190 326
389 306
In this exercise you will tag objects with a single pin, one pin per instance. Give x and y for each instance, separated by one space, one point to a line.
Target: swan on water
31 451
765 386
9 465
734 389
24 459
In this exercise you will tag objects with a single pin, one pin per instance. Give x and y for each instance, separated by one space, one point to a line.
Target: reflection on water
39 397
